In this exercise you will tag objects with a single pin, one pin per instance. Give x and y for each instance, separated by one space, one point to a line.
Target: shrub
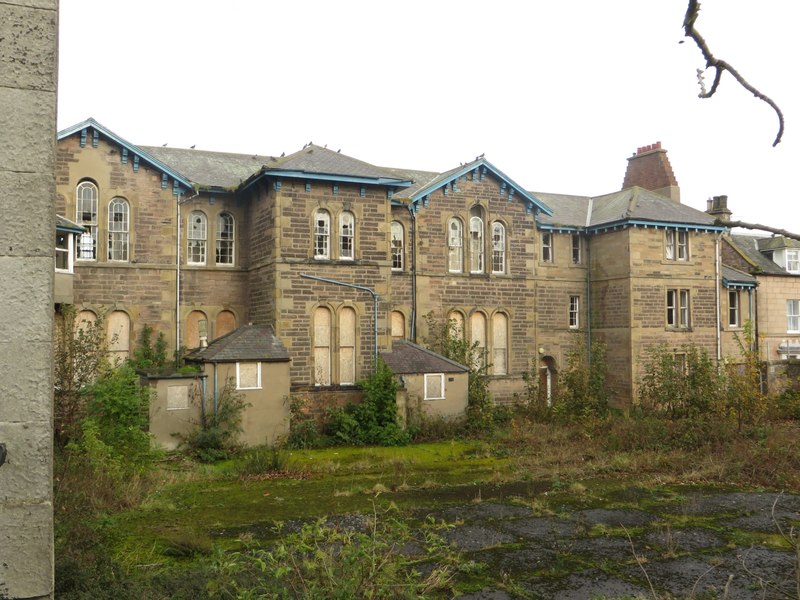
745 400
583 393
149 356
216 436
303 429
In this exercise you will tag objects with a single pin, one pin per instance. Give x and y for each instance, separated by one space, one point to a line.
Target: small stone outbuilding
434 386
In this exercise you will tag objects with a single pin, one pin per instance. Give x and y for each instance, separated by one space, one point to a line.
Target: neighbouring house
344 259
431 384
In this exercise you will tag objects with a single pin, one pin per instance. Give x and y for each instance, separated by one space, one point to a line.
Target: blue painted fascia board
439 183
283 174
560 228
655 225
152 160
737 285
70 229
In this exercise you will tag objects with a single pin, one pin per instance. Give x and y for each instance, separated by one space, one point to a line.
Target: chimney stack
649 168
718 207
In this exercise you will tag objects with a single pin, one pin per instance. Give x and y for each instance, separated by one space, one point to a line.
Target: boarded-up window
398 325
178 397
347 346
478 330
248 376
434 386
118 331
196 325
226 322
456 320
322 346
85 320
499 344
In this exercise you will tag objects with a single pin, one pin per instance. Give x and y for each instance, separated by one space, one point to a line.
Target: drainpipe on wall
413 274
718 283
588 302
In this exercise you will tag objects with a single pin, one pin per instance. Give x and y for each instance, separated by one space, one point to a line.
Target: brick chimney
649 168
718 207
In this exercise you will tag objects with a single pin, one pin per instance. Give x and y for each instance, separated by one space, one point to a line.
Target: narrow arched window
498 248
347 227
118 229
397 246
455 245
322 346
476 240
455 325
197 237
478 331
118 332
398 325
226 236
499 344
347 346
86 215
322 234
226 322
196 330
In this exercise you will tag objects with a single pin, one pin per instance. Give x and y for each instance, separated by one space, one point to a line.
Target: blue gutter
655 225
152 160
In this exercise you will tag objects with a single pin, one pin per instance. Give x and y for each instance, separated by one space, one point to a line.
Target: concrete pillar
28 47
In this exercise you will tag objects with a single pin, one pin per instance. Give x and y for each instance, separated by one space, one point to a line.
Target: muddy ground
695 544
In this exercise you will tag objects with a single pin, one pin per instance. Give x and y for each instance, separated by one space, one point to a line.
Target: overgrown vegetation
582 391
150 356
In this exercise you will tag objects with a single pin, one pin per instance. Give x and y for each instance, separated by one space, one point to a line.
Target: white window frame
547 247
87 193
676 245
574 312
65 251
793 261
734 308
455 245
576 249
498 248
793 316
441 388
322 234
118 230
347 236
225 240
678 308
397 246
239 379
197 238
682 245
476 250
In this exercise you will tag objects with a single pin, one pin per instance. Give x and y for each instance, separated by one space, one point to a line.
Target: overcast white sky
557 94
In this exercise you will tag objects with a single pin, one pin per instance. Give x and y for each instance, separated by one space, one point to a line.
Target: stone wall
28 46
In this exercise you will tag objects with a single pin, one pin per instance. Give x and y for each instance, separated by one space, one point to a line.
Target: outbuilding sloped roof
247 343
64 224
735 278
748 247
408 358
223 170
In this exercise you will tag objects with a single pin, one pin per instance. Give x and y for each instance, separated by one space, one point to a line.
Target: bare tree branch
719 66
775 230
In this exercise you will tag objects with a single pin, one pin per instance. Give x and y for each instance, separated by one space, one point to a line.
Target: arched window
196 329
86 215
456 322
499 344
347 346
322 346
85 320
498 247
455 245
398 325
398 242
118 332
226 322
225 239
347 227
196 238
322 234
477 323
476 240
118 228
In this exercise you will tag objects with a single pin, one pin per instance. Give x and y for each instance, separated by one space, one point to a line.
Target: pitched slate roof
222 170
409 358
568 211
247 343
735 278
749 247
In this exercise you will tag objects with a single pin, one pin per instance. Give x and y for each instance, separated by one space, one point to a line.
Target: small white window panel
434 386
178 397
248 376
793 316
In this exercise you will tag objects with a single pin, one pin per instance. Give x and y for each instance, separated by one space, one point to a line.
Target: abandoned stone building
342 258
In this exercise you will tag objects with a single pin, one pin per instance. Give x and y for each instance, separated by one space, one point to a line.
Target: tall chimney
718 207
649 168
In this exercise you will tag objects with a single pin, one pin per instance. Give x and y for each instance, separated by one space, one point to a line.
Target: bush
583 393
303 429
216 436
